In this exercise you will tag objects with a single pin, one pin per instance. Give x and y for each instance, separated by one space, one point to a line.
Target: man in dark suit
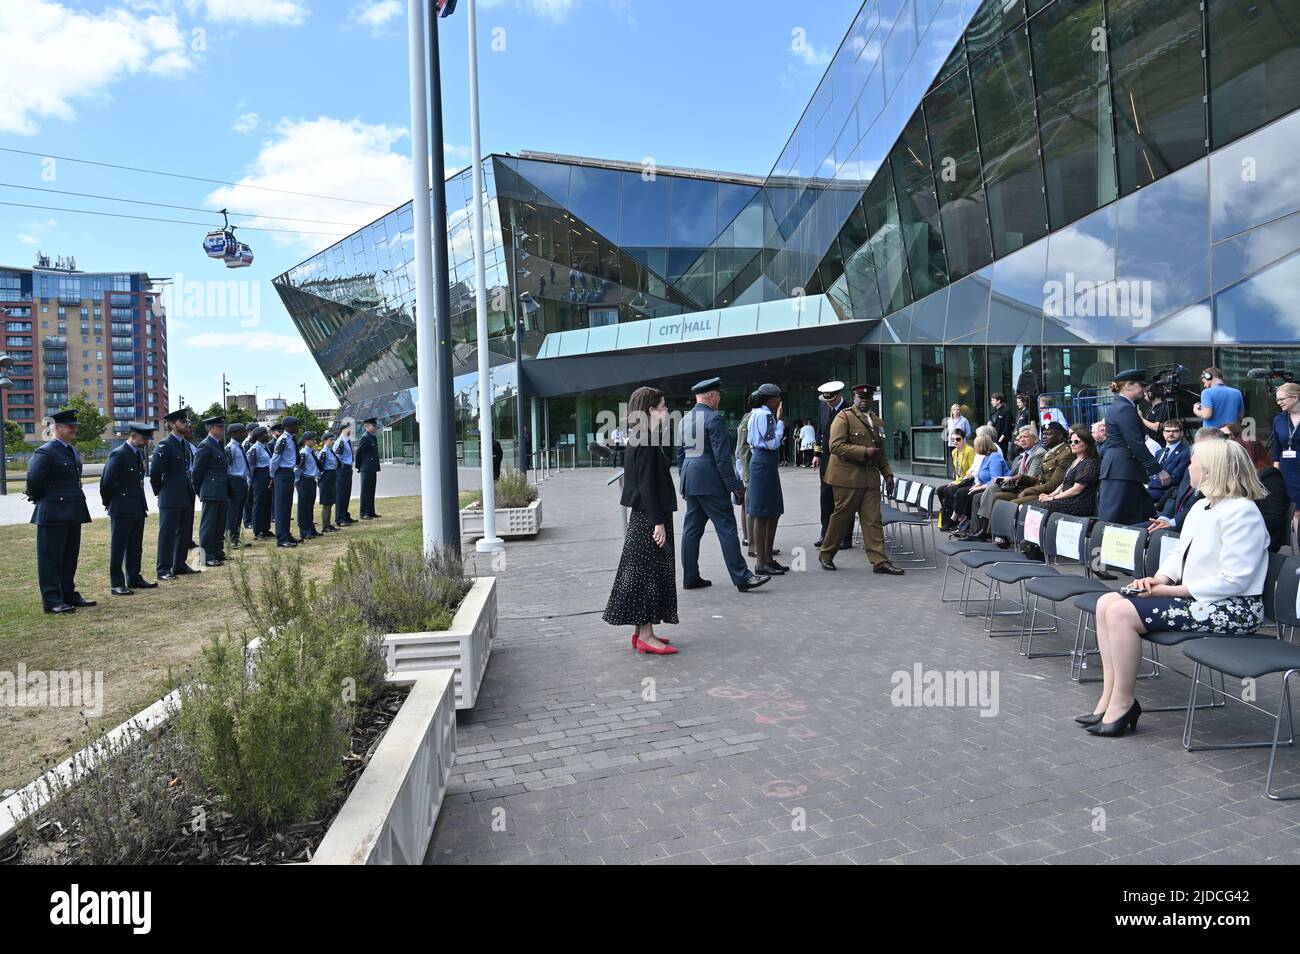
708 474
173 485
1185 496
1173 459
1002 421
1126 463
54 486
121 488
368 467
212 481
831 403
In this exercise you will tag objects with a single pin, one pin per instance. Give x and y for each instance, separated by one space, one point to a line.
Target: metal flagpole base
490 545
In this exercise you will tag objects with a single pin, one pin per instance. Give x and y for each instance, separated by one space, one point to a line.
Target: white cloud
247 341
346 159
51 56
255 12
806 51
246 122
376 13
547 9
28 239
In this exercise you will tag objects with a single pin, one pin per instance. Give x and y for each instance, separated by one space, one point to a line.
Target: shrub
397 591
136 799
512 490
272 725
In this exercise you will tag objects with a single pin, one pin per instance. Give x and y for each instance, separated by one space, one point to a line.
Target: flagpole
490 543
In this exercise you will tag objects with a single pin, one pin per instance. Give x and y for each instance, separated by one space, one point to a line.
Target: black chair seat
1015 572
1172 637
1062 587
987 558
955 547
1088 601
1244 657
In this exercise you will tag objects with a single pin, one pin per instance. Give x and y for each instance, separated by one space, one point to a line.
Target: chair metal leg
1264 744
1283 705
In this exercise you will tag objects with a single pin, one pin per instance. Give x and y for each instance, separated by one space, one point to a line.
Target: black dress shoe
288 544
1113 730
887 568
1092 718
827 564
768 569
214 562
169 577
776 551
61 608
818 544
699 584
846 543
142 584
780 566
82 601
185 570
752 583
122 591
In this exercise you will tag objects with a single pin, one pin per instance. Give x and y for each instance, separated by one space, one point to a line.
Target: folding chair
1005 521
1036 528
1118 549
918 524
1069 542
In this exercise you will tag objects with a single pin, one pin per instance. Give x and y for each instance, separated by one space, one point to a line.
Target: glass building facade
978 190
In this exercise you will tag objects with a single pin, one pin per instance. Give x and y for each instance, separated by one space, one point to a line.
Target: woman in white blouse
1212 582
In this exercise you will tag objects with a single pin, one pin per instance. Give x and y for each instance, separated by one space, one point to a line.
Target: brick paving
774 738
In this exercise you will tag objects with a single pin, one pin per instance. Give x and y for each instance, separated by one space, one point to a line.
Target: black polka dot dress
645 586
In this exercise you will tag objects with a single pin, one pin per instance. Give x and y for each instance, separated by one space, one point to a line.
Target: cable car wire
147 218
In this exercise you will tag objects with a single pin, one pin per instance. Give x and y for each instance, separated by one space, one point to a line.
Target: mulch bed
226 841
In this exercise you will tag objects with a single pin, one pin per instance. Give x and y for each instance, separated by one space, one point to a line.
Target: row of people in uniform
242 479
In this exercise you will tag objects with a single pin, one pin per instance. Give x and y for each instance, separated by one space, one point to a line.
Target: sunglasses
1075 440
958 438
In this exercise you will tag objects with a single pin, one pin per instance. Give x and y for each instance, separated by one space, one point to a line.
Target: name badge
1288 454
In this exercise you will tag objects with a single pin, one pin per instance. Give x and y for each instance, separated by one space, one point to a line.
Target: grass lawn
135 640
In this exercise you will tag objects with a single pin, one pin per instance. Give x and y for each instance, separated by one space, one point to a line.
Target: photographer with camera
1219 403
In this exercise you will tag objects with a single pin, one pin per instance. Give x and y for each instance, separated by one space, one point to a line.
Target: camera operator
1162 397
1219 403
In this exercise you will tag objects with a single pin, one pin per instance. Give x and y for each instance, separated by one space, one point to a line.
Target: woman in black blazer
645 586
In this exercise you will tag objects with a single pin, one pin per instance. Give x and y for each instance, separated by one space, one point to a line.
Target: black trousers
261 496
368 480
248 507
58 547
212 529
175 528
342 513
283 490
306 507
240 501
125 548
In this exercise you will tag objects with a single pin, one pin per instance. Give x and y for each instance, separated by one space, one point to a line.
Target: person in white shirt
807 440
1212 582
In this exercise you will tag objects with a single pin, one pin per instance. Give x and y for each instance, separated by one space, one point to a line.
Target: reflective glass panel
899 47
1257 179
1080 258
1261 308
1190 324
1074 108
1244 254
968 307
644 214
551 178
1016 310
991 21
1254 64
881 210
1159 83
955 158
929 315
919 208
593 198
1004 108
1164 250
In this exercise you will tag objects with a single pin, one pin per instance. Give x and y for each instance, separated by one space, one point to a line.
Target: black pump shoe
1092 718
1129 720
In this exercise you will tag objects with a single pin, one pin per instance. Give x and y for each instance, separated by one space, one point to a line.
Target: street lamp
6 382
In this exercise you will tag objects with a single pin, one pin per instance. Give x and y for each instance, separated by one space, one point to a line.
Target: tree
310 422
90 423
14 437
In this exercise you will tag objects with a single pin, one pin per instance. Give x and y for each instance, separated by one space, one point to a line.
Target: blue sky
312 97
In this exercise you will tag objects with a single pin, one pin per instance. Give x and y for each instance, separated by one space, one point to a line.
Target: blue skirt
328 488
1234 616
763 496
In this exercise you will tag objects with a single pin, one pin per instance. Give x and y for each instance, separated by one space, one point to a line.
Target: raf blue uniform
238 480
244 446
708 477
173 485
367 458
343 448
284 458
1126 466
305 476
54 485
212 481
121 488
260 488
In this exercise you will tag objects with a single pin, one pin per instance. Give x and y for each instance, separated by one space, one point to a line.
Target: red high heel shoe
666 650
662 639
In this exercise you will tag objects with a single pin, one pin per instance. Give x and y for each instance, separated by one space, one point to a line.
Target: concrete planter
464 648
388 818
511 522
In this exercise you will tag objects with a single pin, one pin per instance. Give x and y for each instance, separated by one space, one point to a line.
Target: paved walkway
773 737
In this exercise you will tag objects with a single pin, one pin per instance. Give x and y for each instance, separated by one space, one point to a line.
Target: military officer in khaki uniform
857 462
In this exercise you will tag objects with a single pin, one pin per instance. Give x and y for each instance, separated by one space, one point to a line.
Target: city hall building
975 191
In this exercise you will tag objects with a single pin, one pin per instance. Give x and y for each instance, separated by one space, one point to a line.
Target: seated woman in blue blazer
992 465
1212 582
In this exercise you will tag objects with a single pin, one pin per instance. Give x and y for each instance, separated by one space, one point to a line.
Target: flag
446 7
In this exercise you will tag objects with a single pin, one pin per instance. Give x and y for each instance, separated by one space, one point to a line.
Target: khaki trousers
865 502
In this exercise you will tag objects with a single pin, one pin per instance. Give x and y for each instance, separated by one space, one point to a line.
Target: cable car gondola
221 243
242 258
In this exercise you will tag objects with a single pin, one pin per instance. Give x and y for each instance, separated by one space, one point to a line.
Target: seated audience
1025 470
1077 494
1173 458
1185 495
1212 582
992 466
949 491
